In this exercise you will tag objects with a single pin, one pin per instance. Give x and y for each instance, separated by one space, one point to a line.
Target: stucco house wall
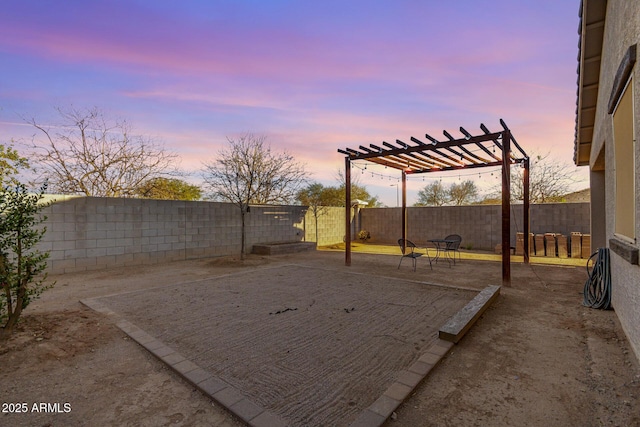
621 30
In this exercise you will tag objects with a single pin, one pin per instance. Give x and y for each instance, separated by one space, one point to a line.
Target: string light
410 177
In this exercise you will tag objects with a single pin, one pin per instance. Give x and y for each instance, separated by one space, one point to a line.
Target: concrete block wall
563 218
89 233
330 226
480 225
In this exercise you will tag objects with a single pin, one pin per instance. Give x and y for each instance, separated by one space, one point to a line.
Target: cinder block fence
480 225
90 233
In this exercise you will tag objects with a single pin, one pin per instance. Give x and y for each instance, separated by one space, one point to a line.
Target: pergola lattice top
436 156
484 150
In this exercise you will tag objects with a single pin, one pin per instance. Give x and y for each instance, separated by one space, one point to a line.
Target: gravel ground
536 357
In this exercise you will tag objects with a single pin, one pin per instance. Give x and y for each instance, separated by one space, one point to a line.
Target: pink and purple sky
313 76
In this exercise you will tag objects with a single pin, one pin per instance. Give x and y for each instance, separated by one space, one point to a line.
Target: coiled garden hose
597 289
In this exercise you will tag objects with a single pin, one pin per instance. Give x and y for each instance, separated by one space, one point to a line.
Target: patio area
472 255
535 357
294 344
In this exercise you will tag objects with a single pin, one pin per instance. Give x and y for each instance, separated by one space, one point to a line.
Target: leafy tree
361 193
489 200
92 155
168 189
10 164
336 196
464 193
21 264
433 194
358 191
333 196
249 172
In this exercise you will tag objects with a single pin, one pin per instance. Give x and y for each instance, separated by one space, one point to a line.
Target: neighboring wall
89 233
480 225
330 226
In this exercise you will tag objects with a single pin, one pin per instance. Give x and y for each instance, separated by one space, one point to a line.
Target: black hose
597 289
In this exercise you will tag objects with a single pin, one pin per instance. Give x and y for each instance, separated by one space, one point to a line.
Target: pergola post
506 208
347 212
404 205
525 208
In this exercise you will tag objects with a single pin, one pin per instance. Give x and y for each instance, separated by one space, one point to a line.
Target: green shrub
21 264
364 235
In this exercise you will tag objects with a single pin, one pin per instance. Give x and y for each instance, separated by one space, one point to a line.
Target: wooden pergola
471 151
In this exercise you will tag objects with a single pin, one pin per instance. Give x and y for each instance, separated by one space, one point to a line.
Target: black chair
453 245
408 249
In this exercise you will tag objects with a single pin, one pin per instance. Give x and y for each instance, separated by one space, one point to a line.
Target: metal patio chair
453 245
408 249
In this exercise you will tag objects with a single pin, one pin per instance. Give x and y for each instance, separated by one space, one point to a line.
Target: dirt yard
536 357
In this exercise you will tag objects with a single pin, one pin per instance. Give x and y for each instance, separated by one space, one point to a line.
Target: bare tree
433 194
464 193
248 172
91 155
549 180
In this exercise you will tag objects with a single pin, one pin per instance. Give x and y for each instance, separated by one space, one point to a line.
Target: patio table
441 247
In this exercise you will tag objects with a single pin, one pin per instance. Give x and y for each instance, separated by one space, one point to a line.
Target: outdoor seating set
447 248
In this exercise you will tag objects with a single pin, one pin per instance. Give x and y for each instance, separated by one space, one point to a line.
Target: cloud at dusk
312 76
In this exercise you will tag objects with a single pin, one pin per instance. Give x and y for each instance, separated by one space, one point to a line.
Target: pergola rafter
471 151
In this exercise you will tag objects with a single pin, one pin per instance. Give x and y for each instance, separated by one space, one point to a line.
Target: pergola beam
480 159
453 168
426 147
504 126
486 150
